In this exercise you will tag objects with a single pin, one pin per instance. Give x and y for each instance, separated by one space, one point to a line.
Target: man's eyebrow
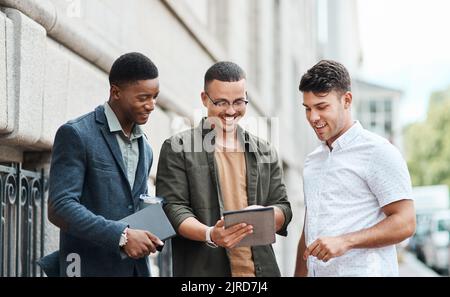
320 103
239 98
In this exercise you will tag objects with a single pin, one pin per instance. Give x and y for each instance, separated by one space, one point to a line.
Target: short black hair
224 71
130 68
324 77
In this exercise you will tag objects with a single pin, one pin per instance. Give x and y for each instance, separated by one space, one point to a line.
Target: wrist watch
209 241
123 238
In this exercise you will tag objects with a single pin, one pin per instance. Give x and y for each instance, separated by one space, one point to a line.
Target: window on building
387 106
373 106
388 127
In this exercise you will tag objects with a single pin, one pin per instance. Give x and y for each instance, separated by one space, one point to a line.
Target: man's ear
348 97
114 92
204 99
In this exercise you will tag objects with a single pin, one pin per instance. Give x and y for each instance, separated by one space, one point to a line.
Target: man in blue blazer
100 166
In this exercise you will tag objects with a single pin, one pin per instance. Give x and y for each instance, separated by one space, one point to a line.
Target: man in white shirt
356 185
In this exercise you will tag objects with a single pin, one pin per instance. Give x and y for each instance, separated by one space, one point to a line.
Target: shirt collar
347 137
114 124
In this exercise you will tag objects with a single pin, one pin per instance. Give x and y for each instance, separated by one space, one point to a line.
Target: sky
406 46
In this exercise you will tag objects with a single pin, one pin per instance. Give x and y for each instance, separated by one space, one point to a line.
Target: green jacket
187 178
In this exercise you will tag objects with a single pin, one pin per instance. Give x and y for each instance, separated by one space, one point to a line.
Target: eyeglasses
225 104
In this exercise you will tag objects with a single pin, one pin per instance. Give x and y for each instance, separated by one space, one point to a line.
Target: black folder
153 219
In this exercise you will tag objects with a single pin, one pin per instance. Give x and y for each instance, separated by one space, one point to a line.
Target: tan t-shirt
233 185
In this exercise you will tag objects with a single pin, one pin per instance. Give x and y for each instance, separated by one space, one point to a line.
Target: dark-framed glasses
225 104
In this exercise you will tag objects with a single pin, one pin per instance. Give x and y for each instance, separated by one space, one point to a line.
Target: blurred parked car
417 242
436 241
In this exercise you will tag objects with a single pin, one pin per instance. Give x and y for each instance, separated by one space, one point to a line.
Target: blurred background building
54 61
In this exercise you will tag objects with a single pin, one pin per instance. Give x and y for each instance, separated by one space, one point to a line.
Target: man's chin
141 122
321 137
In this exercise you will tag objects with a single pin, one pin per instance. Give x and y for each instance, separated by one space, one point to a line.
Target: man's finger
235 228
150 247
154 238
322 254
309 249
239 238
316 250
241 232
144 251
148 243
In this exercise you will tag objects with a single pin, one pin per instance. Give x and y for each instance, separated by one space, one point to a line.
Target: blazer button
130 207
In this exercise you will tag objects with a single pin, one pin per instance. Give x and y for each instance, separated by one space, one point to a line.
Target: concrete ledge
86 44
3 95
28 65
6 84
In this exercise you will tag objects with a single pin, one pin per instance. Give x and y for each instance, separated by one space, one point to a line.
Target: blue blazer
89 192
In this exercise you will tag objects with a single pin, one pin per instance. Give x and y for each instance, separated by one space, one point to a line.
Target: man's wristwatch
209 241
123 238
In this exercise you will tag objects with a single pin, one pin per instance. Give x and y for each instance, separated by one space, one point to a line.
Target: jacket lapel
251 164
111 140
205 130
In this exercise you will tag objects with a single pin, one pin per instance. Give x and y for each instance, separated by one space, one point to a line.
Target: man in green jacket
216 167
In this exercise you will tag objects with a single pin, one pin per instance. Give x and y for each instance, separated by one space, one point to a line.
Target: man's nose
314 116
150 105
230 109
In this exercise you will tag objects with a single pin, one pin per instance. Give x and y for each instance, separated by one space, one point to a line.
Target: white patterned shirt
345 189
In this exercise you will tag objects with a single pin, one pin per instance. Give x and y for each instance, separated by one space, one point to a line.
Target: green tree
427 143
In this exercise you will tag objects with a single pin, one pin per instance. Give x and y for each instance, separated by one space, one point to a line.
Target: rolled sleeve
172 184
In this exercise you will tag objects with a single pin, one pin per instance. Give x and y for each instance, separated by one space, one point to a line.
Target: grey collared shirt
129 146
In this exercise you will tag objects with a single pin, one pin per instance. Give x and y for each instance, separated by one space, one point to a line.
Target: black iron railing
22 211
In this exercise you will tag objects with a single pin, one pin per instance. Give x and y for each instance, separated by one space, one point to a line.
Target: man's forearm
399 224
392 230
192 229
